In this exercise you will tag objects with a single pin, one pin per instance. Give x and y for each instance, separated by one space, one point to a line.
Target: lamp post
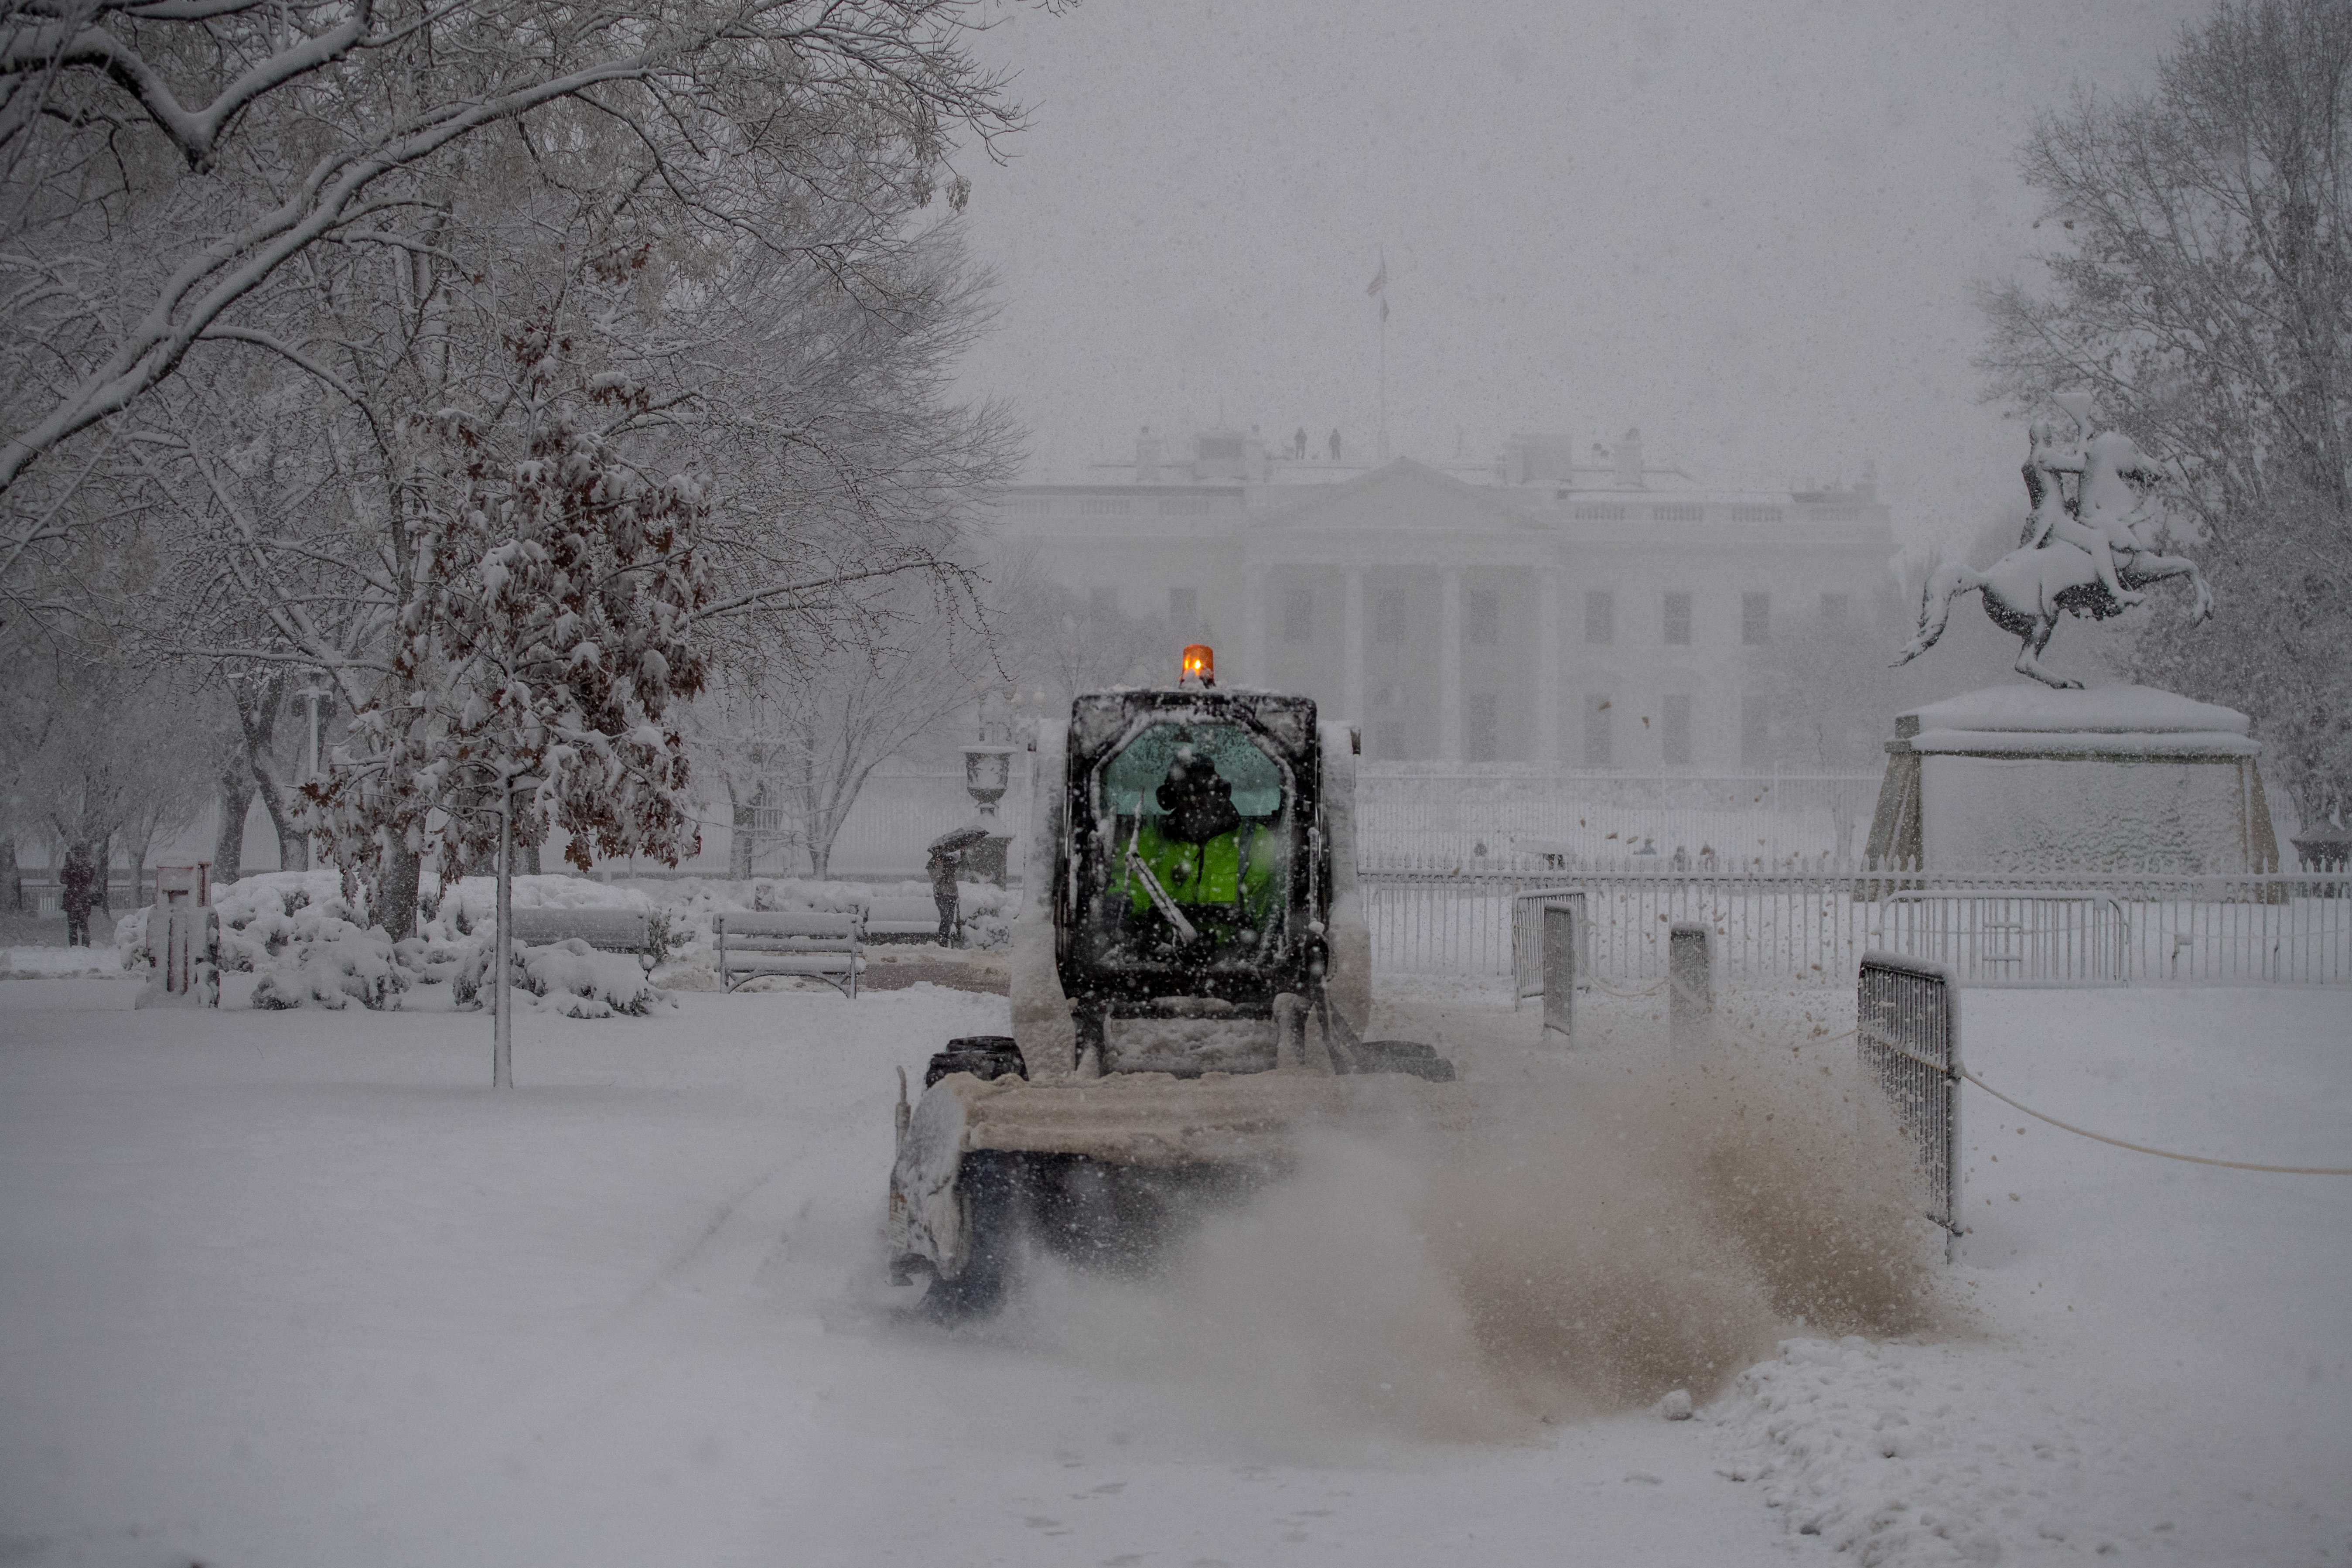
502 1027
987 773
511 782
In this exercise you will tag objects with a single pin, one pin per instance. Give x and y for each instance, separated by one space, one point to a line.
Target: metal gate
1529 915
2001 936
1908 1032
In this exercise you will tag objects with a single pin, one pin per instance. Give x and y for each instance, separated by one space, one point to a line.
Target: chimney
1147 456
1629 460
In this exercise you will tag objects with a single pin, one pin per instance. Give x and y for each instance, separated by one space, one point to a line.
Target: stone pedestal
2031 781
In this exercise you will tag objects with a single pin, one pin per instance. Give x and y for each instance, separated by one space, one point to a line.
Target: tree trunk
228 844
256 714
104 855
526 859
12 877
396 897
293 849
744 823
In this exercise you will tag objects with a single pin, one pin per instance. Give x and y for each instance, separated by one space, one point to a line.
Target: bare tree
2203 293
807 406
169 164
111 770
1055 642
798 736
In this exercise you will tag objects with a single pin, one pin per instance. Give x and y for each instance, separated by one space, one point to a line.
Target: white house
1534 609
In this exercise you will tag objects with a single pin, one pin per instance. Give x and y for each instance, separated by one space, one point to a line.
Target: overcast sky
1749 228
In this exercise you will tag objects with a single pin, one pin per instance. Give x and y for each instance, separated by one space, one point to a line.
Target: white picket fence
1812 925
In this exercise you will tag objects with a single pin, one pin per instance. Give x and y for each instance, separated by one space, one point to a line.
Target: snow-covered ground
297 1288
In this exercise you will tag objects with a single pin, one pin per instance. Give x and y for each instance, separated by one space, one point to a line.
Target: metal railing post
1690 985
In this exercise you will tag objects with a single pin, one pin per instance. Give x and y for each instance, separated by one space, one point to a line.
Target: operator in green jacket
1217 869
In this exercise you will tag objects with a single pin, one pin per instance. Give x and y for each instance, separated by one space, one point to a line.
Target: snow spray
1587 1241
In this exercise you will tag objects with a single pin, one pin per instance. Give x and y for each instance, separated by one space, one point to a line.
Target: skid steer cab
1190 986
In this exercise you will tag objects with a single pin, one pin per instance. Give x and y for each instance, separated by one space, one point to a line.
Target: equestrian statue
2089 553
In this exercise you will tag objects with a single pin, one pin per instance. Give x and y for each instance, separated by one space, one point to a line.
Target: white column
1351 651
1551 600
1253 669
1449 670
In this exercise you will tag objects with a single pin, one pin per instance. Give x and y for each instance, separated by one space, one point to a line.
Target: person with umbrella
78 880
947 858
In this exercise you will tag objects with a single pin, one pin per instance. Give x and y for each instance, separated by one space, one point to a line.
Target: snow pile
1844 1445
568 978
332 964
36 962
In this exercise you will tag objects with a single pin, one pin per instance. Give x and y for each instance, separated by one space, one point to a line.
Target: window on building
1184 610
1482 617
1678 612
1103 602
1298 616
1833 609
1754 731
1675 730
1481 740
1755 619
1597 753
1600 616
1388 616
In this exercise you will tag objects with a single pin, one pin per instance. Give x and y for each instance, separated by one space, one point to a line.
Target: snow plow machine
1191 984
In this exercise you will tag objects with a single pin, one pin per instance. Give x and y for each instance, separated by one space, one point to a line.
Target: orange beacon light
1199 665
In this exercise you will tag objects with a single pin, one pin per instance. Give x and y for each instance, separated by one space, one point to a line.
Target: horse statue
2089 554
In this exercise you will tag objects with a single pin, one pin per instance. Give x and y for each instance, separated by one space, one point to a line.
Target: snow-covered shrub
571 978
131 940
284 893
263 916
988 912
337 964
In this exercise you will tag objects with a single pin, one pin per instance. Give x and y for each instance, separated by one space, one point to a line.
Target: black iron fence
1907 1033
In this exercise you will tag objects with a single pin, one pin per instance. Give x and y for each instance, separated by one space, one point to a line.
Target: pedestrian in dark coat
78 877
942 867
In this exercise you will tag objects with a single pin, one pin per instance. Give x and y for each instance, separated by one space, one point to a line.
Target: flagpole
1379 290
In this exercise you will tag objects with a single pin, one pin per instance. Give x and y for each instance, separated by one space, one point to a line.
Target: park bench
906 918
606 930
827 947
